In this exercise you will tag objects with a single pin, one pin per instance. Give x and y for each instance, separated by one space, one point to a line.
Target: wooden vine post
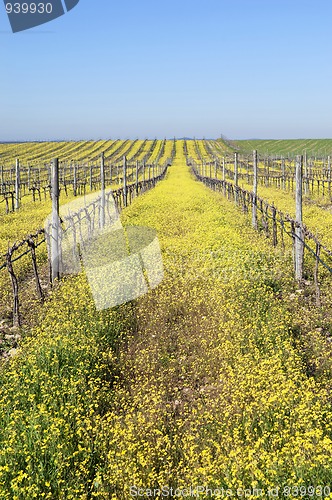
224 174
236 177
17 184
136 178
75 179
102 196
283 174
329 175
274 226
90 174
254 197
305 173
49 171
125 181
299 235
55 233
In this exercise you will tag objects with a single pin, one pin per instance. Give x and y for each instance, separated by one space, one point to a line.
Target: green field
286 147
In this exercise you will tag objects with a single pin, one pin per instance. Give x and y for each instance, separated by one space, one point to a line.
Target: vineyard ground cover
317 208
36 153
219 376
15 227
317 213
25 275
32 152
81 154
319 147
225 147
30 217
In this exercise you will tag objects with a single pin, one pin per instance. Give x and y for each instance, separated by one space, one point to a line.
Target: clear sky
128 69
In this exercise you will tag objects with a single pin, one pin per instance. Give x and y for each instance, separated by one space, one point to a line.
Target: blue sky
242 68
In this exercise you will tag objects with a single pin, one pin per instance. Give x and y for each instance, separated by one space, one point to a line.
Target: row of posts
299 233
17 187
55 193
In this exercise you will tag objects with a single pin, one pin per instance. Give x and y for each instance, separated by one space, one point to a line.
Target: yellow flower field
219 379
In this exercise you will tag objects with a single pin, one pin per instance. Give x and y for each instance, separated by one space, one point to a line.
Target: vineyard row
121 197
274 222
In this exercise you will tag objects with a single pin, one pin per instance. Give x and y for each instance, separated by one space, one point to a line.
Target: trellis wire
246 198
122 196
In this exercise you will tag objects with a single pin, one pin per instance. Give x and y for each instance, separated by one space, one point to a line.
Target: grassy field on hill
287 147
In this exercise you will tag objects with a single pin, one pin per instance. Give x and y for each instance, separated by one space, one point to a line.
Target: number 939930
29 8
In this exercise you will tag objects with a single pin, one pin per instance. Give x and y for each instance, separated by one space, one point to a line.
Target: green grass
314 147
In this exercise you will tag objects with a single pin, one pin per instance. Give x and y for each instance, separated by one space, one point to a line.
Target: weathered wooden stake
299 236
274 226
254 198
236 177
305 174
17 184
102 187
75 179
329 174
55 246
283 174
224 174
136 178
90 177
125 181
